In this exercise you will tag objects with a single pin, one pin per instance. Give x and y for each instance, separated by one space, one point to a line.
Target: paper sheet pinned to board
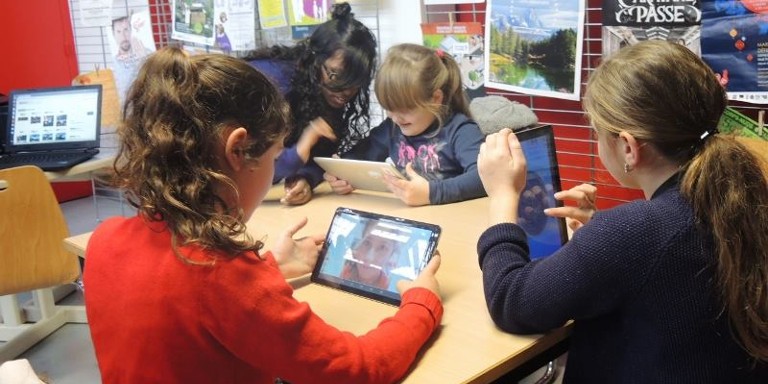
110 106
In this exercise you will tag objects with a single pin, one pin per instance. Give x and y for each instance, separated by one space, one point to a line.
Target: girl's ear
631 149
437 96
234 147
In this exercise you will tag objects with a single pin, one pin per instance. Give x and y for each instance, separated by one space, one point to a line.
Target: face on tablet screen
545 234
368 254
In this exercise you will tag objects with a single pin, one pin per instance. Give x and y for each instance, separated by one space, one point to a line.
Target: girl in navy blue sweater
428 134
670 289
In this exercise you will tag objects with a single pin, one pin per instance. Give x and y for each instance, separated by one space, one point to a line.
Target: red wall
38 51
38 47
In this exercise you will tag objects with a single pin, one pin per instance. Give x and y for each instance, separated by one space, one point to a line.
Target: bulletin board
92 43
576 148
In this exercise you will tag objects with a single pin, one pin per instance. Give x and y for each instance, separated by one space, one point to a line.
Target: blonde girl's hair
666 96
174 118
412 73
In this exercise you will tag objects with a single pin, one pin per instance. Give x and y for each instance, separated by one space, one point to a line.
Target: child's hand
426 278
296 257
342 187
297 192
501 164
502 168
585 196
414 192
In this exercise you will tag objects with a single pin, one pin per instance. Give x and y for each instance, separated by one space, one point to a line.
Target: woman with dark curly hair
326 79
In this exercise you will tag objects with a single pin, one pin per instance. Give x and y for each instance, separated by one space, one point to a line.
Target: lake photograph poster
535 47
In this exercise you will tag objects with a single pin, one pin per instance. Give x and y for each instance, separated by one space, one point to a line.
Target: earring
627 168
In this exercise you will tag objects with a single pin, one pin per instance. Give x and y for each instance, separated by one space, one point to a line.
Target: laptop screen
545 234
54 118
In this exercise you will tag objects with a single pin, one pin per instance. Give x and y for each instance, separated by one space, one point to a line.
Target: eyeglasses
332 75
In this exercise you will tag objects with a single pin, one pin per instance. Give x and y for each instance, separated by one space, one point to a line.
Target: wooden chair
758 146
33 258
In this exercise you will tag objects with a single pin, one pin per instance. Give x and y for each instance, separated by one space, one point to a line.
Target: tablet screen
545 234
367 253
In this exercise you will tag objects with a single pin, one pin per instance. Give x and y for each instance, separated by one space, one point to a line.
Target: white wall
399 22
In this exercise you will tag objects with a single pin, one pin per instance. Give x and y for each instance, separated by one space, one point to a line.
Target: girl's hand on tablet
342 187
585 196
297 257
414 192
426 278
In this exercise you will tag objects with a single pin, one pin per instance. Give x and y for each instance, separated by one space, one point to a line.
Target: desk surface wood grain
467 348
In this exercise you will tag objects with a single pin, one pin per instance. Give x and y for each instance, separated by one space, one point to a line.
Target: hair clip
440 53
707 134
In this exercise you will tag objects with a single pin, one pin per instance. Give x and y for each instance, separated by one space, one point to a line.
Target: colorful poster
535 47
272 14
464 41
626 23
308 12
433 2
130 44
193 21
734 42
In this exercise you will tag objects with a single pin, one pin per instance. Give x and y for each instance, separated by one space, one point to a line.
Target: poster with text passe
626 23
535 46
463 41
734 42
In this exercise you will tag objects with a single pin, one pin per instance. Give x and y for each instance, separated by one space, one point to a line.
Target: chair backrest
759 147
32 231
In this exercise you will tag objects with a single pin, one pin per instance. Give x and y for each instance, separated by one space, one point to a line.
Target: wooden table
84 170
468 348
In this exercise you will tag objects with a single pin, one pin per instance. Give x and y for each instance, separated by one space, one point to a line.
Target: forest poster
535 47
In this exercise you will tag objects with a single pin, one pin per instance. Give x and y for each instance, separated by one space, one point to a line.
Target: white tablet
367 253
361 174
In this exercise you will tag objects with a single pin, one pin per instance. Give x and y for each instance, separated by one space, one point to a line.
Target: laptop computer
52 128
545 234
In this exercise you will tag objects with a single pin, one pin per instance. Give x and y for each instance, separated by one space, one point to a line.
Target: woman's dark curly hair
358 46
176 112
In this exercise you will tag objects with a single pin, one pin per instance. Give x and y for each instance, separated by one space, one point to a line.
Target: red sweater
156 319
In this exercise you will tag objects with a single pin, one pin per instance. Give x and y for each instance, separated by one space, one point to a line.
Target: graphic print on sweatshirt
425 158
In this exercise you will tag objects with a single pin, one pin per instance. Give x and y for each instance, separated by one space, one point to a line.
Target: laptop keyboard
46 161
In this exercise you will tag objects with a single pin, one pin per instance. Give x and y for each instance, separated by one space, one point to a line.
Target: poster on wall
463 41
734 42
95 13
434 2
193 21
130 43
308 12
305 15
234 25
626 23
535 46
272 14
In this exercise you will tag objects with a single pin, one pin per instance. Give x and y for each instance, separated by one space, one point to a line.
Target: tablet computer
367 253
361 174
545 234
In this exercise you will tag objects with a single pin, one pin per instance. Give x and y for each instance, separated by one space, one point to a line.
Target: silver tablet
361 174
